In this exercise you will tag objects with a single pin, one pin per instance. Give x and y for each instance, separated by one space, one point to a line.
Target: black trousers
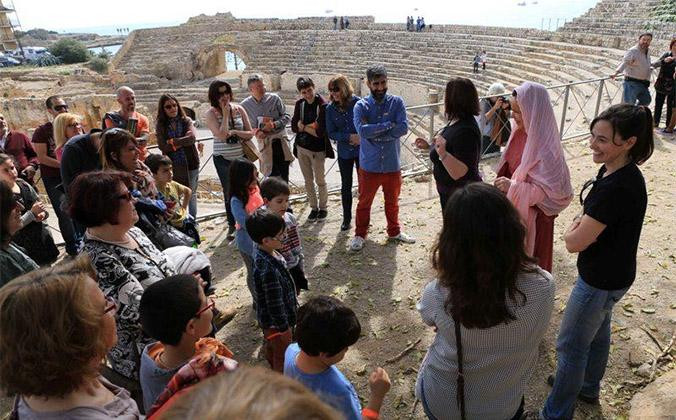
346 167
659 102
280 166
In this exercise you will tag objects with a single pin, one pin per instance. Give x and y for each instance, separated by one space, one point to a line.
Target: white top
497 361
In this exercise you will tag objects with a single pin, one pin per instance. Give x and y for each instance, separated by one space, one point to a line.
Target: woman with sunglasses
230 126
176 138
533 170
457 147
606 236
55 328
125 260
13 259
66 126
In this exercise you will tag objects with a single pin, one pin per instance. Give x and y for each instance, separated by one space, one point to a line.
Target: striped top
497 361
221 148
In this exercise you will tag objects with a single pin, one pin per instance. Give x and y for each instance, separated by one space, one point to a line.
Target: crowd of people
136 292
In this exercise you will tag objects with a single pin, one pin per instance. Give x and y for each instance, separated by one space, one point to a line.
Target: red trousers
274 345
369 182
544 239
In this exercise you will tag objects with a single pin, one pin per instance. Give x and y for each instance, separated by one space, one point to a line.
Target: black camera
232 140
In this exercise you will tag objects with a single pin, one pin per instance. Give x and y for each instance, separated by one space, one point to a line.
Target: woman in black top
606 235
457 149
665 86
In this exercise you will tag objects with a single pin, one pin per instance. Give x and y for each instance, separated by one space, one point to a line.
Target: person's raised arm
247 132
218 130
455 167
379 384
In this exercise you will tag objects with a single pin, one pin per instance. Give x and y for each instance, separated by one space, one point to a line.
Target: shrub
46 60
70 51
98 64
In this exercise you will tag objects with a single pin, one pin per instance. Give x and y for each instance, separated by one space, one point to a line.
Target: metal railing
587 96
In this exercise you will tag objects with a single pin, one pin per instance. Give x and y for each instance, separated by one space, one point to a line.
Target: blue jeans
635 91
193 177
582 348
57 197
222 169
346 167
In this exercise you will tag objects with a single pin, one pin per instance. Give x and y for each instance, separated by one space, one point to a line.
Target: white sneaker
357 244
402 237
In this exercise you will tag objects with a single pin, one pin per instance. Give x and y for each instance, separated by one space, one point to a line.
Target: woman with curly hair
176 138
55 327
490 306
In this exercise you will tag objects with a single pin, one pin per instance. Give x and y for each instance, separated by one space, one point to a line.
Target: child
245 197
174 195
275 293
311 361
175 312
275 192
606 236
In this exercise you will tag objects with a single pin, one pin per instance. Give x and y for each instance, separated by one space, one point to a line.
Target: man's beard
378 96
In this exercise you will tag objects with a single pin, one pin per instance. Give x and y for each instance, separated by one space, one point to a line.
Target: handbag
248 148
165 236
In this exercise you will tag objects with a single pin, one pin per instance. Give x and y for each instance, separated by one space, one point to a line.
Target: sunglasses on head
63 107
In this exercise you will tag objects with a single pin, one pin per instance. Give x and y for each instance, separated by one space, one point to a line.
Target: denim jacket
339 126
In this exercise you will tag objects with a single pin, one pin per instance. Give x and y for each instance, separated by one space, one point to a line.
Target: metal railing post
433 97
598 99
565 109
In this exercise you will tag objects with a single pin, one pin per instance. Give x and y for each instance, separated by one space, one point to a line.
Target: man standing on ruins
636 69
380 120
127 118
269 118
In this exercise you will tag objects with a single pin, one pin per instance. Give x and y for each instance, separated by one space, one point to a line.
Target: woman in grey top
230 126
501 299
55 328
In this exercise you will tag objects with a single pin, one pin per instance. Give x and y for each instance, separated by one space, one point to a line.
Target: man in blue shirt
380 120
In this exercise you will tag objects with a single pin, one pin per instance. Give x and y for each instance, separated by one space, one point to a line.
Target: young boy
275 293
275 192
311 361
175 312
174 195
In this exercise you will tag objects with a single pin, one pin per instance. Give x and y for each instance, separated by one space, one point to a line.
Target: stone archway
210 61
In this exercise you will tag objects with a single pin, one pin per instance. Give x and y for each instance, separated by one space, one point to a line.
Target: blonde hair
342 83
251 393
61 122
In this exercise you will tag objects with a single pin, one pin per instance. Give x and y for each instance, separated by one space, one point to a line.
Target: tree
70 51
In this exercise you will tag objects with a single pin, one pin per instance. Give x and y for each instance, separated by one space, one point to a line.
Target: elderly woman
490 306
33 235
533 170
494 119
55 328
457 148
230 126
66 126
119 151
176 138
340 129
13 259
125 260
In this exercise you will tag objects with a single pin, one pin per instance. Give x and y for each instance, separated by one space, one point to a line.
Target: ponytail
631 121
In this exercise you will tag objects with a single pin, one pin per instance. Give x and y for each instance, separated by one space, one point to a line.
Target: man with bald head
128 119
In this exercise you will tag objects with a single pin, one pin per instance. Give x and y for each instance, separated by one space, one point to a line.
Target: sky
77 14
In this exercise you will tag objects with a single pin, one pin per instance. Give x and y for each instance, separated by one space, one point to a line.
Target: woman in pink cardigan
533 171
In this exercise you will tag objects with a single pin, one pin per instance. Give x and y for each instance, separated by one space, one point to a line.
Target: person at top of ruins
380 120
310 147
50 169
533 170
127 118
457 147
17 145
176 138
636 68
268 117
665 85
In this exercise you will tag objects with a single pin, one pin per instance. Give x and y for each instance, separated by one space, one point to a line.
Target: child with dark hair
311 360
275 192
175 312
275 293
175 195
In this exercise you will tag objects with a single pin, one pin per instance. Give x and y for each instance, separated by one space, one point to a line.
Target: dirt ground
384 281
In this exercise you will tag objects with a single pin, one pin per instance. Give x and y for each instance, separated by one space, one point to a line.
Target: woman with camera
230 126
494 120
176 139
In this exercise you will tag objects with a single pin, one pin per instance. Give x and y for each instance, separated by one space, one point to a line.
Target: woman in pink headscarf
533 171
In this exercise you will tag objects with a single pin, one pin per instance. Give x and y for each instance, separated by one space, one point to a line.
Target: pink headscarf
542 178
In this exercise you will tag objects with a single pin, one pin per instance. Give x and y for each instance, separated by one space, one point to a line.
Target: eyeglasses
74 125
170 106
126 196
58 108
210 305
334 89
111 305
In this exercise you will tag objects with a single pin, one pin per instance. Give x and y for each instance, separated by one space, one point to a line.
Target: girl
34 235
606 237
245 197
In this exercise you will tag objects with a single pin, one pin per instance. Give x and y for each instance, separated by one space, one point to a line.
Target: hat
496 89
